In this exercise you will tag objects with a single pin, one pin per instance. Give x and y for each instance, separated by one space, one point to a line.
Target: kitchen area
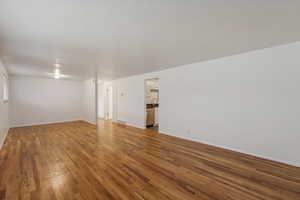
152 103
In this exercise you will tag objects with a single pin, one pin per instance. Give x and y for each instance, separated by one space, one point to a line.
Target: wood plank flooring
76 161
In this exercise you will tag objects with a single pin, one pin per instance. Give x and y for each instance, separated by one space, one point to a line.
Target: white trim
145 97
4 138
136 126
163 132
46 123
127 124
106 104
295 164
88 121
5 95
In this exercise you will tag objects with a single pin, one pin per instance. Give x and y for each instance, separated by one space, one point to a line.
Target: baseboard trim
128 124
87 121
164 132
295 164
291 163
4 138
45 123
135 126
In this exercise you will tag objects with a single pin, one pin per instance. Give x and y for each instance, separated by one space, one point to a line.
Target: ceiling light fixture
57 65
56 71
57 76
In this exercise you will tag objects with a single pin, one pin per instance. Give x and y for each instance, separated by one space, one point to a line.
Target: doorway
109 100
152 104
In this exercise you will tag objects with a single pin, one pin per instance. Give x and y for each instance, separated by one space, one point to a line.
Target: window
5 88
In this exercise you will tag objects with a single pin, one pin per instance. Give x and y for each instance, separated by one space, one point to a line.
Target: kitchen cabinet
150 116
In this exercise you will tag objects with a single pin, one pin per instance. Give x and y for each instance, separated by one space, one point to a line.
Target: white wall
130 100
247 102
101 100
4 107
89 101
41 100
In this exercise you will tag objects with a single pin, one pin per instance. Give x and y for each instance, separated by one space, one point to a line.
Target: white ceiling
119 38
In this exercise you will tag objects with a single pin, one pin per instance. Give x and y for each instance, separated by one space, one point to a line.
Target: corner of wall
4 107
135 125
4 138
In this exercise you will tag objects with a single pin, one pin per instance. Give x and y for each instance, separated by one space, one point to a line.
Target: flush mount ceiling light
56 71
57 76
57 65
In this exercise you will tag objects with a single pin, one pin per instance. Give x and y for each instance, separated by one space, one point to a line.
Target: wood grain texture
76 161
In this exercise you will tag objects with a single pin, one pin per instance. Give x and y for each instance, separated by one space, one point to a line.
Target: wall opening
109 100
152 104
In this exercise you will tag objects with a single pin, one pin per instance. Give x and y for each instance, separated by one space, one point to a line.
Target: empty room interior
149 100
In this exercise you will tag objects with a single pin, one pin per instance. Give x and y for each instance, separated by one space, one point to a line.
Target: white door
109 102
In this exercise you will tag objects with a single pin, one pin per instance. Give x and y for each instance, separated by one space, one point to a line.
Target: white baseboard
163 132
295 164
90 122
45 123
123 122
4 138
136 126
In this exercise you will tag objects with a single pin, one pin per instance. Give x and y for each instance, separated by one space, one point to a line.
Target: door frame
145 96
108 103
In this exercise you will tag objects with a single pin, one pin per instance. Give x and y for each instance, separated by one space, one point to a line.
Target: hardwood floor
75 161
